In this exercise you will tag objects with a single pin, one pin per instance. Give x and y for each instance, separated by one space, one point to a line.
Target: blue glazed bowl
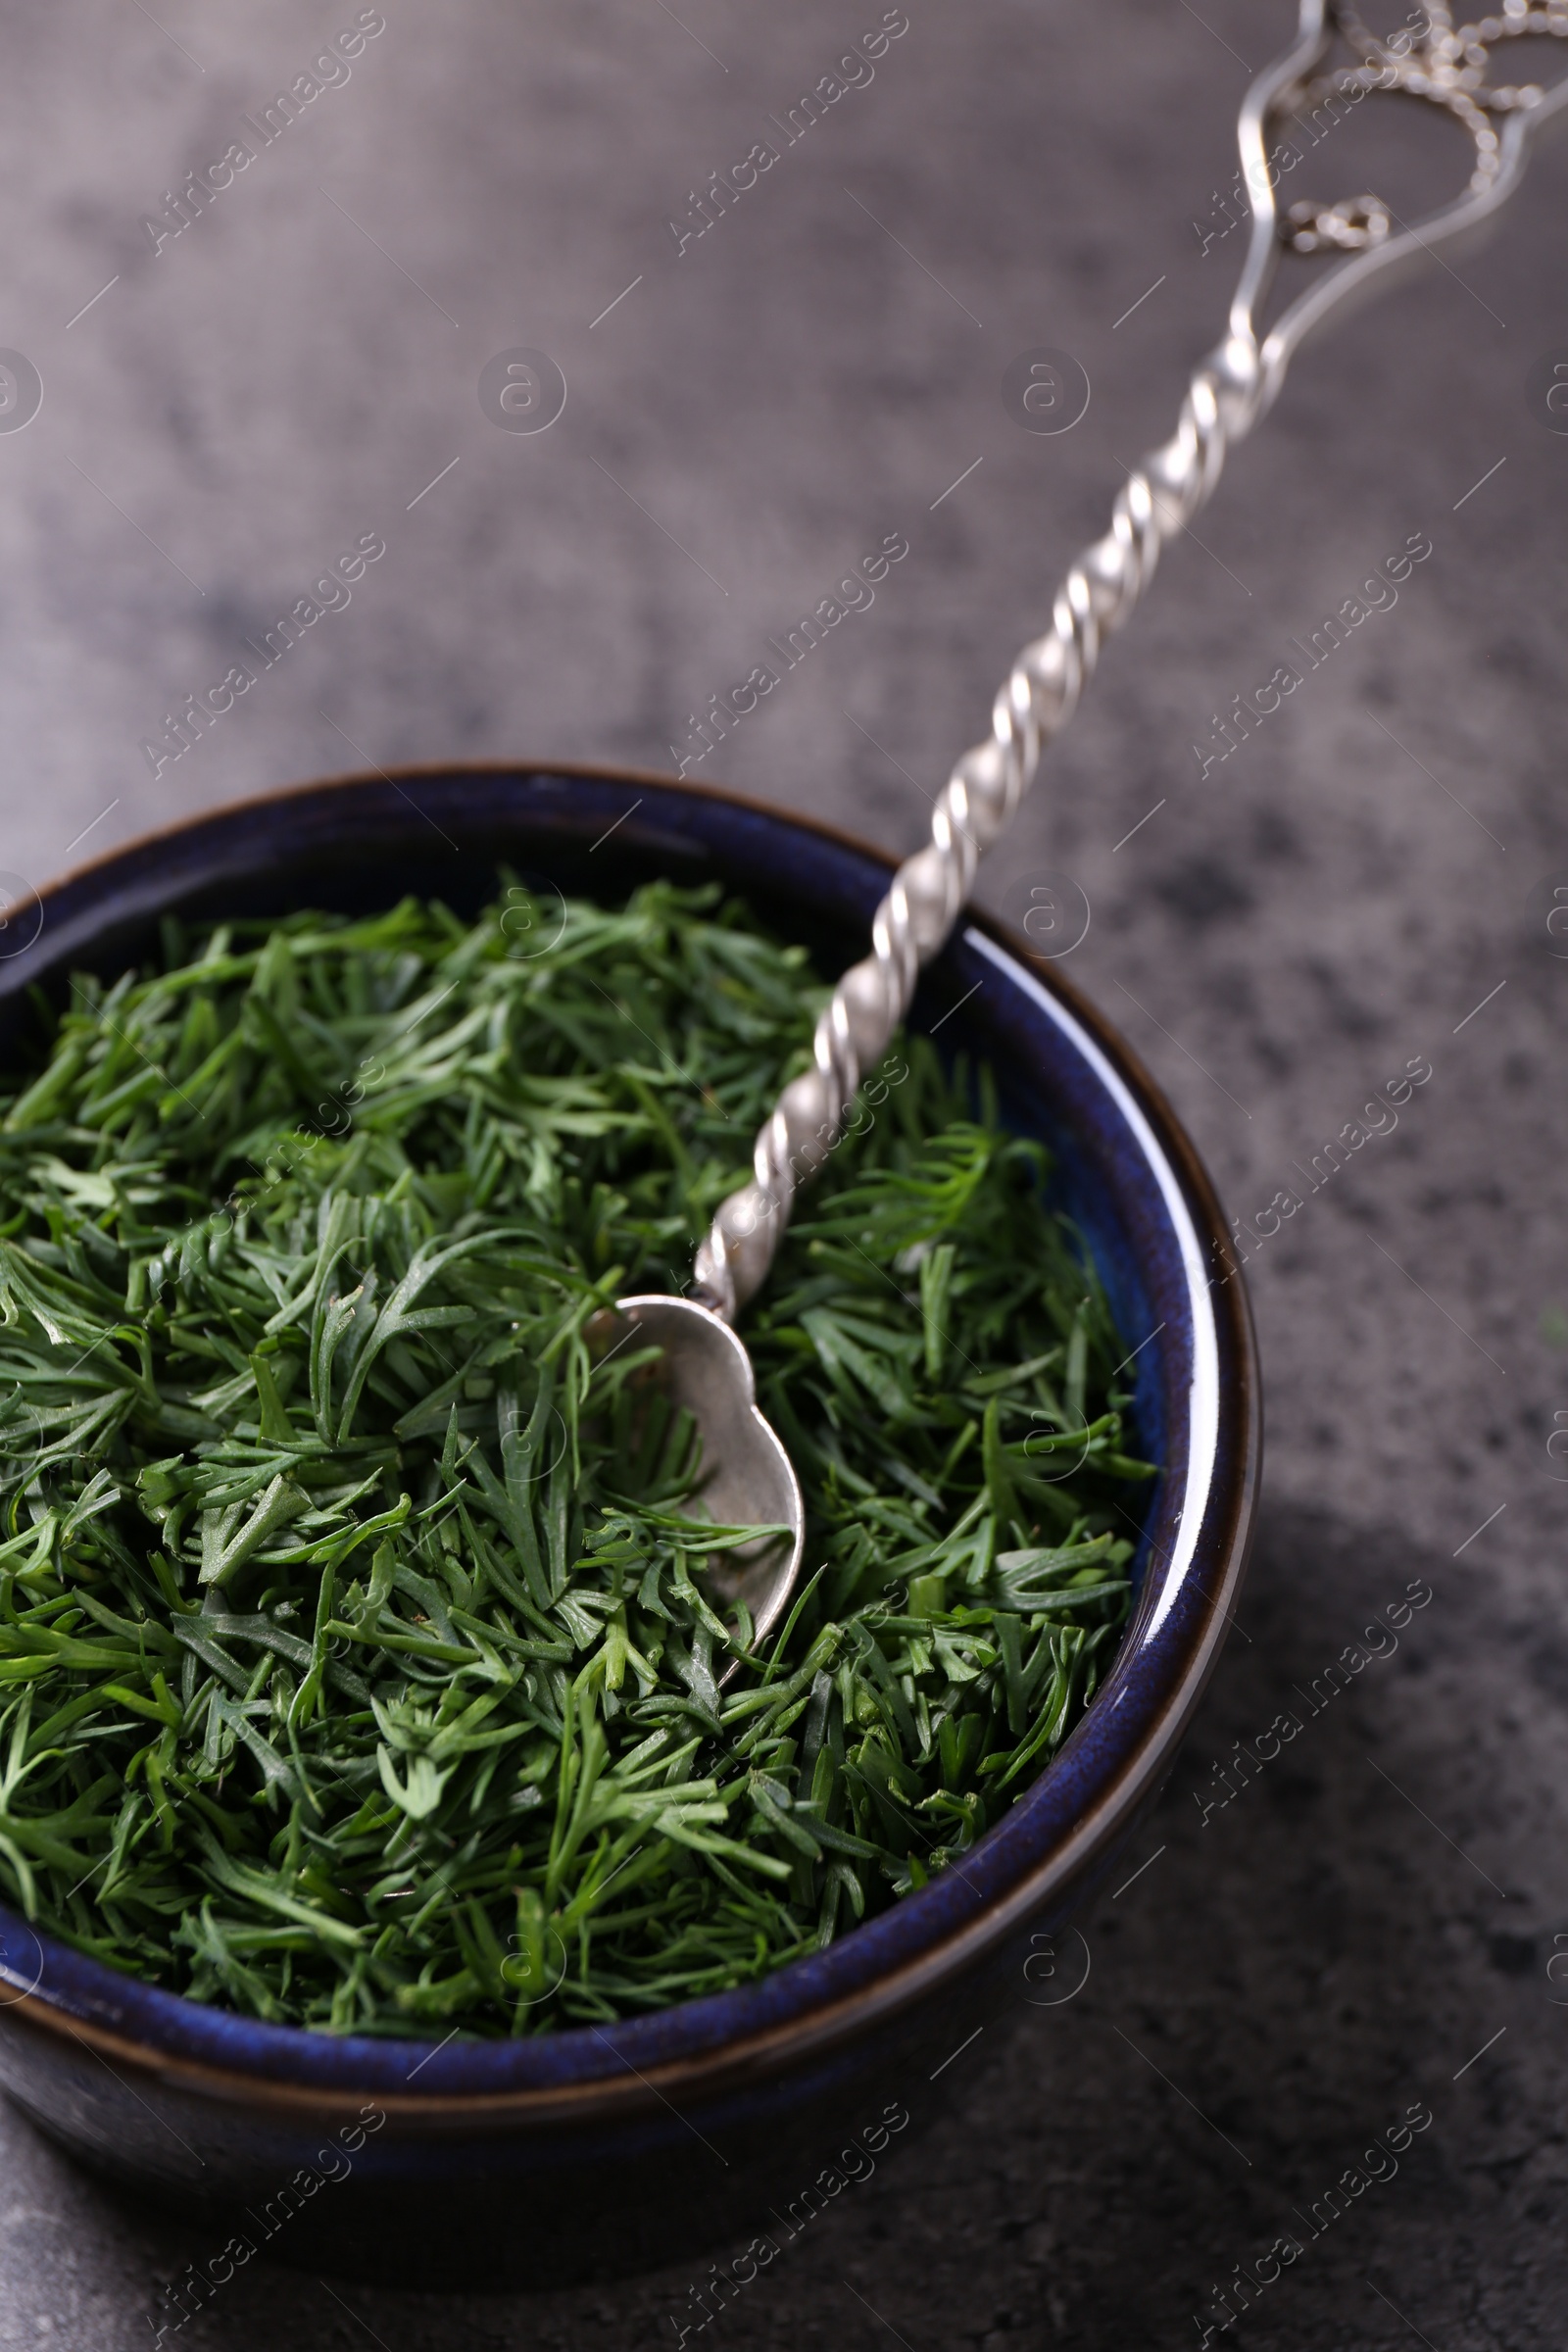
579 2154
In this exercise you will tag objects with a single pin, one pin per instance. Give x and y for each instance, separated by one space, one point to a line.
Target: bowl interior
1124 1171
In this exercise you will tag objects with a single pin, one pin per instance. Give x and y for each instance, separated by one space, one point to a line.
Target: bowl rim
821 2026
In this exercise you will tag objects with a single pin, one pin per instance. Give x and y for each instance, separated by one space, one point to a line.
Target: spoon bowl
749 1480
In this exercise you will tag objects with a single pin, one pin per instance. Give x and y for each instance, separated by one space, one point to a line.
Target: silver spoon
749 1478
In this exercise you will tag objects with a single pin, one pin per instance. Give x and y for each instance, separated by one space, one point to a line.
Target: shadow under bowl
585 2154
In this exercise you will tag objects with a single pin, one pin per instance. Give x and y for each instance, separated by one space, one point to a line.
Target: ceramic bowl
583 2153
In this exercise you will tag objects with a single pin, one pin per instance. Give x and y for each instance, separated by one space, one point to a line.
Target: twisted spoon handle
975 807
1229 392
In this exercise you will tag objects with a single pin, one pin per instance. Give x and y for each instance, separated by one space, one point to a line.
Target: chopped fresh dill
358 1668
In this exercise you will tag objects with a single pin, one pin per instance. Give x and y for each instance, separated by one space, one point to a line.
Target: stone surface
1292 1972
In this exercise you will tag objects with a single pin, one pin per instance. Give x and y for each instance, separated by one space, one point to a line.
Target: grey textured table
1292 1972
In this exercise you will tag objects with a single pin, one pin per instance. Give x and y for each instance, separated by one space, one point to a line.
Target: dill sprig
357 1664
